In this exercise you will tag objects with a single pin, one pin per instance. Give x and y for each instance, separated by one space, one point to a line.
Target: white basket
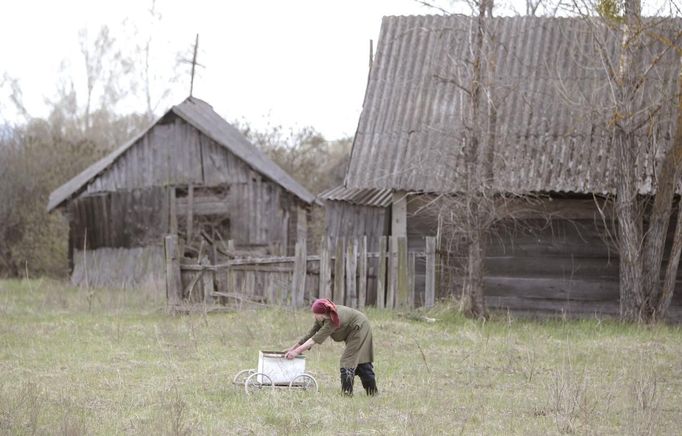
280 369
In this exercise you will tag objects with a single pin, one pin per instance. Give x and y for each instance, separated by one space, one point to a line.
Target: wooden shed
549 140
191 173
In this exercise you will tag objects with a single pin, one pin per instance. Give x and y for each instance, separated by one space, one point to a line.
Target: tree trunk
628 206
673 162
671 272
472 291
660 218
630 239
473 300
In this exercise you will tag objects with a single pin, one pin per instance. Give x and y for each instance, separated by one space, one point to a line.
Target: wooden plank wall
348 221
344 220
173 153
561 262
137 267
554 264
279 280
119 219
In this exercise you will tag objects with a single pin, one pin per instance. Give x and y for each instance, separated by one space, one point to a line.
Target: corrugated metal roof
202 116
364 197
550 90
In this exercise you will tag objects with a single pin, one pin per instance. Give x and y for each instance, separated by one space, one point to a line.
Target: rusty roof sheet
202 116
550 90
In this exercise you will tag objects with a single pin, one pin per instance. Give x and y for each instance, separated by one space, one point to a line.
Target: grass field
74 361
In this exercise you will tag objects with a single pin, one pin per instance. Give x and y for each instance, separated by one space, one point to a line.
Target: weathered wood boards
341 275
174 179
550 283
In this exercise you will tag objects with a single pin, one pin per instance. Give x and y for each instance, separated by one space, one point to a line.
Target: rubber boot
366 373
347 377
370 387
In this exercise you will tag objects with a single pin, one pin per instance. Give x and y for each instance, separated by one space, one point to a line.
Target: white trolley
276 371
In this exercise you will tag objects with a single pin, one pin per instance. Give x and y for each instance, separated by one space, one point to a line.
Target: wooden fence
343 271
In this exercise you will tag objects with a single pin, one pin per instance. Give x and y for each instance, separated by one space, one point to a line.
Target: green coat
354 330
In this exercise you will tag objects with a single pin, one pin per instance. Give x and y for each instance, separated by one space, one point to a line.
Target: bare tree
643 221
12 90
155 76
464 218
671 174
478 172
96 55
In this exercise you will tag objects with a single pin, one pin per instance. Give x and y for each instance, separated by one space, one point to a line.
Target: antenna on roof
194 64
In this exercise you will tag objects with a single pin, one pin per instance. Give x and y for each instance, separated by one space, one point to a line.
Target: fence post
381 274
190 213
411 280
339 266
173 277
325 269
172 212
298 282
351 272
362 273
430 286
392 271
402 296
207 278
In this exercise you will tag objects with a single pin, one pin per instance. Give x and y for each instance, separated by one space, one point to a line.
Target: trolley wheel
304 381
252 385
240 378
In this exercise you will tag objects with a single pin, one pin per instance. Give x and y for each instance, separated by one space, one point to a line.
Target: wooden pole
190 212
270 289
325 269
351 272
339 268
381 274
411 280
172 219
430 286
298 282
85 257
362 273
402 296
194 64
208 280
173 275
392 271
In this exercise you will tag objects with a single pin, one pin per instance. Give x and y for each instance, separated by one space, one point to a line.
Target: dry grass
75 362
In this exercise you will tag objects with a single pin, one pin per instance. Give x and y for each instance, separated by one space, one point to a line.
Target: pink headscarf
324 307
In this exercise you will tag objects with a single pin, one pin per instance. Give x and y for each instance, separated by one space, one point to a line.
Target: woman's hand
299 348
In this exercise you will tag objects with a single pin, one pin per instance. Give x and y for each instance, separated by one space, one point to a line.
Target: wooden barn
191 174
548 140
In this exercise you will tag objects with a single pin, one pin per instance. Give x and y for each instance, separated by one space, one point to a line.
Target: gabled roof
550 91
202 116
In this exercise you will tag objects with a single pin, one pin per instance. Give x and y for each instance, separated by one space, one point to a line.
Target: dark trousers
366 373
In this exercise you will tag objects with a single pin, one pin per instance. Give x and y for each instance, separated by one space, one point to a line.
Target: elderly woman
342 324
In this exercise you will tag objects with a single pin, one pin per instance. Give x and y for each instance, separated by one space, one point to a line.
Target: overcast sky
293 63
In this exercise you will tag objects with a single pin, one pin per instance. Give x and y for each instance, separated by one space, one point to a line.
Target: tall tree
477 171
643 223
466 218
